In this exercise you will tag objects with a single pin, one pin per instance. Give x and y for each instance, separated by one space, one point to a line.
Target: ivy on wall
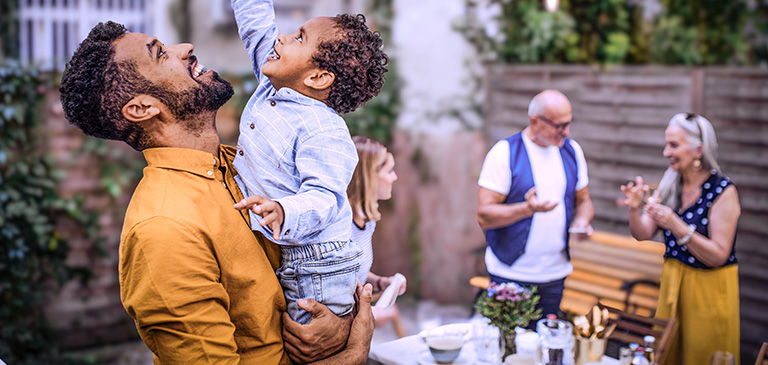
32 250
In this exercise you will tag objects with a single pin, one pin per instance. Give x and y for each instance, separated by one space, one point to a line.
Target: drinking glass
722 358
555 342
625 356
488 341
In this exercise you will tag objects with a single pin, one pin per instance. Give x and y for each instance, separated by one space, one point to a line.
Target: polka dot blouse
698 214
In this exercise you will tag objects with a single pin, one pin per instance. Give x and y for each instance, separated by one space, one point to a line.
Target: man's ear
320 80
141 108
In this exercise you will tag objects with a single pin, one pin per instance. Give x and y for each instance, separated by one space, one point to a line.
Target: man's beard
189 104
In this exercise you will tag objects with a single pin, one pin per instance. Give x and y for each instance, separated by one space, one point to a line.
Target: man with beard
198 282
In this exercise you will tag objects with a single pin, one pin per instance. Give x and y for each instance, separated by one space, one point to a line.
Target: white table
406 351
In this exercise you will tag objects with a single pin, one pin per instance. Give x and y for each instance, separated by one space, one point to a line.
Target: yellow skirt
706 304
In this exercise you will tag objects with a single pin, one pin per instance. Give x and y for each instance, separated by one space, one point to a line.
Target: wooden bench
613 269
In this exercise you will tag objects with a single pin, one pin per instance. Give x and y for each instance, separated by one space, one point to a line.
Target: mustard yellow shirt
198 282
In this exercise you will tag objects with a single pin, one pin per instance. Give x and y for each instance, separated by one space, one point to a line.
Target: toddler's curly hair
356 59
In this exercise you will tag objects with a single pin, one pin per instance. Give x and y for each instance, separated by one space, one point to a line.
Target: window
50 30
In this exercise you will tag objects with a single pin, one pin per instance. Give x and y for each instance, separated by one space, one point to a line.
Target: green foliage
709 32
604 30
674 43
687 32
9 31
377 118
508 305
119 171
757 32
32 250
526 32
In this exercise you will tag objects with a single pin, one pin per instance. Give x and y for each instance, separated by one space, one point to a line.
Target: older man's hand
535 205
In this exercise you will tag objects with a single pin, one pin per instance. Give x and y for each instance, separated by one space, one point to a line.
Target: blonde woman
697 209
372 181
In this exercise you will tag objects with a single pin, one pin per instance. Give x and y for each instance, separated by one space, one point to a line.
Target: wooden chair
480 282
631 328
762 356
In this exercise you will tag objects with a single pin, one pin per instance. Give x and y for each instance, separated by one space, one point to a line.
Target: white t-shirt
544 259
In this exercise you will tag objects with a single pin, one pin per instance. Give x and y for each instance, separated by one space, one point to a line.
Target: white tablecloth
406 351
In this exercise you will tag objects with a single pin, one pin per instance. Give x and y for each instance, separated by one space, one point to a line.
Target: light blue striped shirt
292 148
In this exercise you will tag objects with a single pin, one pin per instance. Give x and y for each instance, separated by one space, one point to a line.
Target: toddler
295 156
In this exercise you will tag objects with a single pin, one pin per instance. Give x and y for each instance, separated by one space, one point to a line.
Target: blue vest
508 243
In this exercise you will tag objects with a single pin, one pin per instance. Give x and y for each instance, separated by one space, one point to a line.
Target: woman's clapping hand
634 192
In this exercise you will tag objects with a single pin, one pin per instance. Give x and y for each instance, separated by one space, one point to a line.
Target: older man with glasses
533 193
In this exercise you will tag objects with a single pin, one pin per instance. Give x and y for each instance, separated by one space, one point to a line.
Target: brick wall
86 314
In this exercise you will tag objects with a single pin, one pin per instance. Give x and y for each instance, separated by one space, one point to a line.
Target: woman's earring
697 164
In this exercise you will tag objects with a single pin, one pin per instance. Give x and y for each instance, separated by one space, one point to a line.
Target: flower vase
509 341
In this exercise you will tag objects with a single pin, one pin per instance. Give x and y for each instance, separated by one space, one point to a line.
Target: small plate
462 329
519 359
425 358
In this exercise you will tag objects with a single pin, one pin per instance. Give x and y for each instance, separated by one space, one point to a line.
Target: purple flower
508 292
492 289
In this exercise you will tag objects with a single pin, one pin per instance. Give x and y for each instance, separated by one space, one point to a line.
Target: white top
544 259
363 239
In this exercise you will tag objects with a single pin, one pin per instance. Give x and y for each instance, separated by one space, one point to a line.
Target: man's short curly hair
356 59
94 88
88 87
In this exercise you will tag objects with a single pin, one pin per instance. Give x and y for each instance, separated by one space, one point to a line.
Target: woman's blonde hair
362 188
700 133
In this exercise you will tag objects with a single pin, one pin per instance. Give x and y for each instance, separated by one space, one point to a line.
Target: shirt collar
183 159
288 94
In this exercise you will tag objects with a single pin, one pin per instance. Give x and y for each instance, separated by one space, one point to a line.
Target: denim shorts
325 272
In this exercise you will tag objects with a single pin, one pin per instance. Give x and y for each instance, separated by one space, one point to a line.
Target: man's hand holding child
271 212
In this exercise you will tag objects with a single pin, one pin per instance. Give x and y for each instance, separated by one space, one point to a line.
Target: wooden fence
620 115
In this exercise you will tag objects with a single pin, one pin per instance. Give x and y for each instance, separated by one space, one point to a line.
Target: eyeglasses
558 126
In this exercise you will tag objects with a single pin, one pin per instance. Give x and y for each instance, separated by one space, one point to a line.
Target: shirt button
210 173
241 152
252 126
273 103
287 231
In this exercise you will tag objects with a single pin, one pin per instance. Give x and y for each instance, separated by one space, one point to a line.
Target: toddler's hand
271 212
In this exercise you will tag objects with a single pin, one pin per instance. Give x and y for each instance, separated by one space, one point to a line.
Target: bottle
633 347
625 356
639 358
552 321
649 344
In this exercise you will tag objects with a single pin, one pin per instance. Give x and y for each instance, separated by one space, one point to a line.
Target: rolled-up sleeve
170 283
